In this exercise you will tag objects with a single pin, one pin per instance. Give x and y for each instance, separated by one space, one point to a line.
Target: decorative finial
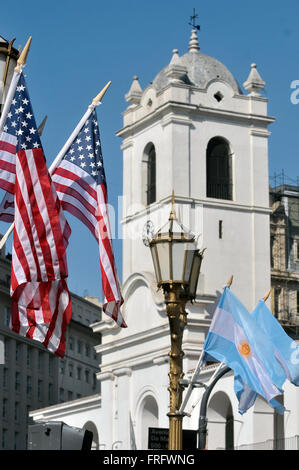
134 94
176 70
175 58
172 213
266 295
254 82
193 43
98 98
229 282
21 62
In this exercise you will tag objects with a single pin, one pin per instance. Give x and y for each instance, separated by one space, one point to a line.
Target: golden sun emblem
244 349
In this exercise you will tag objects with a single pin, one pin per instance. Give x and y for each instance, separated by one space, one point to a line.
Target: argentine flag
286 349
235 339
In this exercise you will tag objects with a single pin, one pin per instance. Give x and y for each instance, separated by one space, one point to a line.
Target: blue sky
77 47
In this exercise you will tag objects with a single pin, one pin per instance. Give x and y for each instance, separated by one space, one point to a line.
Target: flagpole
198 367
95 102
21 62
206 386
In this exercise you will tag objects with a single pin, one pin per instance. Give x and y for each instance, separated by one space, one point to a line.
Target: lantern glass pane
155 262
194 275
178 258
189 255
163 256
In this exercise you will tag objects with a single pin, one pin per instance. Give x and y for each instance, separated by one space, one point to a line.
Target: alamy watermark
295 94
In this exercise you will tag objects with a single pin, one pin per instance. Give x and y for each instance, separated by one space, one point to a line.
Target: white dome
200 69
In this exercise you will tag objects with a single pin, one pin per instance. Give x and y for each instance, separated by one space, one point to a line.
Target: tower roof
200 69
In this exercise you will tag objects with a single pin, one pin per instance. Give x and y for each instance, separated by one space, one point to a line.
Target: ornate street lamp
177 264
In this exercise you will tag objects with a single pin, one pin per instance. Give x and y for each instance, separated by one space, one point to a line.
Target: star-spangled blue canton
20 121
41 304
81 187
86 150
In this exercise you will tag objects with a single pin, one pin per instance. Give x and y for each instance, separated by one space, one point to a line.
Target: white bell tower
194 131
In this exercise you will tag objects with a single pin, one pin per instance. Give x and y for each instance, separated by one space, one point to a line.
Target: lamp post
177 264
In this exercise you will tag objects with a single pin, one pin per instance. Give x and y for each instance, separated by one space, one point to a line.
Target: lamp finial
172 213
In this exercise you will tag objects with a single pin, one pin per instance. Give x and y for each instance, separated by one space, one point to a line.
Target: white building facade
194 131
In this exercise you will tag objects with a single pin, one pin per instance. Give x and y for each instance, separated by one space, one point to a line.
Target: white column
122 424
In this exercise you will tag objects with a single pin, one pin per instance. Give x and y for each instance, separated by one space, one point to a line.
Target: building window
6 349
297 250
61 367
4 438
219 169
50 392
71 369
29 356
29 385
149 174
17 382
17 412
40 360
28 419
7 315
87 376
71 343
4 408
276 302
51 366
79 347
5 377
17 441
40 390
79 375
18 351
61 394
87 350
297 302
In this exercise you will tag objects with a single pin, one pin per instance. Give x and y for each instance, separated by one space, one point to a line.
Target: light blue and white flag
286 349
235 339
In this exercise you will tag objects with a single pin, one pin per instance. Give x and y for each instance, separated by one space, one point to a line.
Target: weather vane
192 20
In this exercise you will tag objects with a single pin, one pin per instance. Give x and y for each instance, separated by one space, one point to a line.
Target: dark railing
219 190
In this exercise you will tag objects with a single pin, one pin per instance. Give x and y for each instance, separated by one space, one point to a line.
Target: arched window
220 422
219 169
149 174
149 419
90 426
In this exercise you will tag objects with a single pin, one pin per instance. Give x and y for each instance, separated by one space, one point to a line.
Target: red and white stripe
41 306
8 144
80 195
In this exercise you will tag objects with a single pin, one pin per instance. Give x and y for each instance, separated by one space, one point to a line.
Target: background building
284 199
31 377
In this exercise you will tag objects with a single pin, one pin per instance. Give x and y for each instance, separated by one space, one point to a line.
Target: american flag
7 210
81 186
41 304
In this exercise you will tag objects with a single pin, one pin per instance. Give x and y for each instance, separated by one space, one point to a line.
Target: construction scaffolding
284 244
